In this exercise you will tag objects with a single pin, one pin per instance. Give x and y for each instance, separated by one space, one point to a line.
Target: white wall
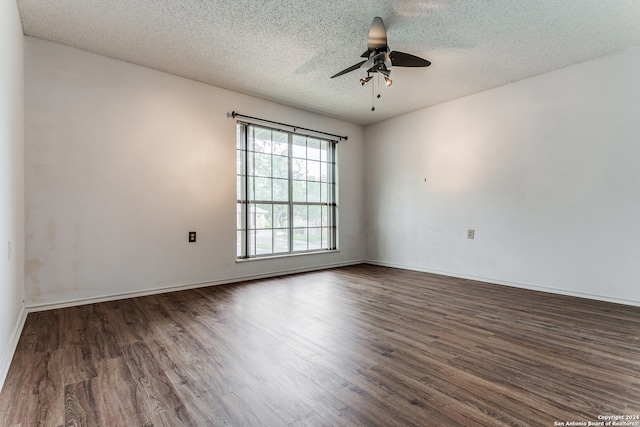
122 161
12 314
545 170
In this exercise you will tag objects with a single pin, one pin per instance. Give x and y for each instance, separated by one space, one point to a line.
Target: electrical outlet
471 234
192 236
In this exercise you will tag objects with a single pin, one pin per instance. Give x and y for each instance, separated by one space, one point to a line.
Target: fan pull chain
373 89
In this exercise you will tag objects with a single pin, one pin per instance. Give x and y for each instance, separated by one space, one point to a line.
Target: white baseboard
154 291
508 283
10 349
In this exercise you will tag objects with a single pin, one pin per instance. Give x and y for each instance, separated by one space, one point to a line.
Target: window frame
247 202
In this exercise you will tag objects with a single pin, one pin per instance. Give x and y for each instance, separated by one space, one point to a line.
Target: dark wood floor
361 345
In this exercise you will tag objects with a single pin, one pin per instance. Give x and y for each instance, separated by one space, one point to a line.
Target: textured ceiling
286 50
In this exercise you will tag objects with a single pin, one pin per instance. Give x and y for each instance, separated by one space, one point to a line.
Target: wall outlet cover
192 236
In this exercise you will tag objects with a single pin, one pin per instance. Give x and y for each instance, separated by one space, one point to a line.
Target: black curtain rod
234 115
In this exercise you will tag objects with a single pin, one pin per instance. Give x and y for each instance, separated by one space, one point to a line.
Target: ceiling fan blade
366 54
401 59
350 69
377 35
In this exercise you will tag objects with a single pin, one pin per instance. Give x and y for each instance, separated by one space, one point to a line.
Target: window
286 191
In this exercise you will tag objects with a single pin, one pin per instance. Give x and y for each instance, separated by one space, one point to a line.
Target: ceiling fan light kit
380 58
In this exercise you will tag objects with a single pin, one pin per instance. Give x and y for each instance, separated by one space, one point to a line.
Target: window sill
265 257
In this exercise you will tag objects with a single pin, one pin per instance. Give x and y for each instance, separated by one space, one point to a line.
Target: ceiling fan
380 58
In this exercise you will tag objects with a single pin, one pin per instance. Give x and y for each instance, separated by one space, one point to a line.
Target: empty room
288 213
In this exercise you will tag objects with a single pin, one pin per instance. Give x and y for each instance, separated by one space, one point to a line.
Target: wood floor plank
163 406
369 410
204 407
40 332
243 415
36 377
78 365
80 405
311 419
97 337
354 346
273 404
